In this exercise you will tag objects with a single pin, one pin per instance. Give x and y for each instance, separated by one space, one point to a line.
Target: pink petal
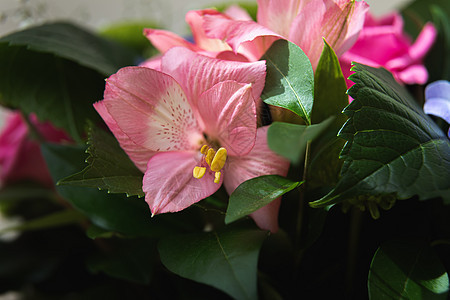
20 156
278 15
195 21
245 37
152 63
197 73
237 13
169 185
423 42
260 161
229 115
413 74
138 154
151 108
339 22
163 40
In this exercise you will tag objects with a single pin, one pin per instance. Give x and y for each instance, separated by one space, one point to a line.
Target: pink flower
191 127
301 21
382 43
20 155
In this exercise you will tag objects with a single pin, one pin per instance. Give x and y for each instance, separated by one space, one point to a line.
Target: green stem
302 206
352 253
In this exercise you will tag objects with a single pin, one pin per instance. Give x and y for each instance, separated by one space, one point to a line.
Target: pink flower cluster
20 155
188 118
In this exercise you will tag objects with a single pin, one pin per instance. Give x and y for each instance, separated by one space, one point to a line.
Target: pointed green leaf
393 147
109 167
330 89
289 140
289 80
407 269
74 43
255 193
226 260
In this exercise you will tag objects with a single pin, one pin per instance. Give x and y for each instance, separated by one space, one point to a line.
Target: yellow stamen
209 156
204 149
217 177
219 160
198 172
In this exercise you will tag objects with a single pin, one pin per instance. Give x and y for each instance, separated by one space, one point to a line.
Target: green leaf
392 146
226 260
255 193
74 43
130 34
53 88
109 167
130 259
407 269
289 79
129 216
330 95
57 219
289 140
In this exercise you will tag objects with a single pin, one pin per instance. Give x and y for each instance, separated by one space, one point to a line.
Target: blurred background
169 14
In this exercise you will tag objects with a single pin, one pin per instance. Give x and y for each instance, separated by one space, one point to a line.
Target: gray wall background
15 14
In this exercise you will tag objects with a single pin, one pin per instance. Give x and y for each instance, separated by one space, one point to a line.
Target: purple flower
437 100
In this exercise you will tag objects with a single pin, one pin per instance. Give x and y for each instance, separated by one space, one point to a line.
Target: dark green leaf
226 260
330 95
109 167
55 89
289 140
74 43
289 80
407 269
255 193
60 218
130 216
393 147
130 259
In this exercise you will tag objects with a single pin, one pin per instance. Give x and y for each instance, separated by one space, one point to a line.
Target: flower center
212 160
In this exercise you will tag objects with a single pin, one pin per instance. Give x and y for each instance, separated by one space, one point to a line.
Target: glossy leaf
74 43
226 260
289 140
407 269
255 193
109 167
330 95
129 216
392 146
289 80
57 90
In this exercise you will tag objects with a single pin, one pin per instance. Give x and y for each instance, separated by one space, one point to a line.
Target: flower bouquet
287 149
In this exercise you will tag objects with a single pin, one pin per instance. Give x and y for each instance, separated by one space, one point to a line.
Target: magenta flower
300 21
191 127
382 43
20 155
